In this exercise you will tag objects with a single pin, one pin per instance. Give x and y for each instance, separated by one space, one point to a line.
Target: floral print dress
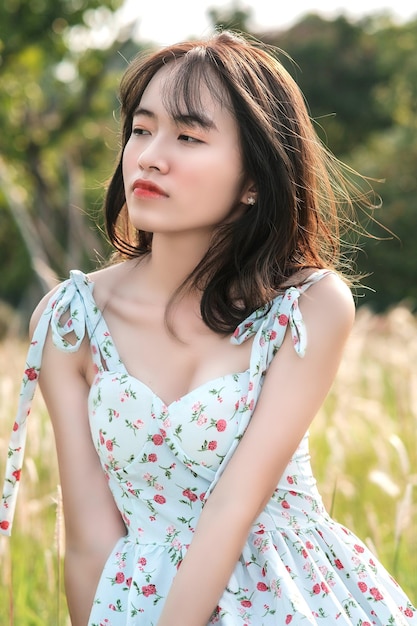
298 565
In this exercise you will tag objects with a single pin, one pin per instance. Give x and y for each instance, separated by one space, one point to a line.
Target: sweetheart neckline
155 395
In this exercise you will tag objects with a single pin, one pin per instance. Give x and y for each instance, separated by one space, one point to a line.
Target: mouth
147 189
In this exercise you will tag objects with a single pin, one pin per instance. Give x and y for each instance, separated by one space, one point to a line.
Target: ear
249 194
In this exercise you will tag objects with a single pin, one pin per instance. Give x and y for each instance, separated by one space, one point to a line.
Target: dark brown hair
301 190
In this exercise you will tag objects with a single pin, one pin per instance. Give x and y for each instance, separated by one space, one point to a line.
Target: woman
182 380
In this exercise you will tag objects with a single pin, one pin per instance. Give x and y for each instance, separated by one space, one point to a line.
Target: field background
364 453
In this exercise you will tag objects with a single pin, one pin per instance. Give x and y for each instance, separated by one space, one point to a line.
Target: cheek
221 174
129 157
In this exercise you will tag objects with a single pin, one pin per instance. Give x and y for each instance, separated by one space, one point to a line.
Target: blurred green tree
60 63
359 79
391 155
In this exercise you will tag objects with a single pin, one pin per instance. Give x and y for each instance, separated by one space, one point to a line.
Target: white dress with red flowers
298 565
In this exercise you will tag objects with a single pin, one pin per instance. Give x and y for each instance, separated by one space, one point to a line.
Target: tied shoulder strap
268 325
67 300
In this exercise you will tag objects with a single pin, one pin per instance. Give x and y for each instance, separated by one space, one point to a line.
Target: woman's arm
293 391
92 521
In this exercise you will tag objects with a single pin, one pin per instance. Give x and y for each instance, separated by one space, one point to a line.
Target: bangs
190 77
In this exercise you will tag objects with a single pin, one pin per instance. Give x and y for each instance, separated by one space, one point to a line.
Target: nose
153 156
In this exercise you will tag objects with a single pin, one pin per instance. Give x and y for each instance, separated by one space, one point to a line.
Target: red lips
147 189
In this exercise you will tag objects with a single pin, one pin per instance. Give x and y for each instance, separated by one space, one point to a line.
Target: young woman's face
182 174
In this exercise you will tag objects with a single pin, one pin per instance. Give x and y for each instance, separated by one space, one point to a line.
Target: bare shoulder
109 278
328 306
109 273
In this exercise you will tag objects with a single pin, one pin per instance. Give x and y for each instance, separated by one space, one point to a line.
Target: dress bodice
72 312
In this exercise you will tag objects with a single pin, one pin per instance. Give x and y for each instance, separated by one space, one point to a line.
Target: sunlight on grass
363 444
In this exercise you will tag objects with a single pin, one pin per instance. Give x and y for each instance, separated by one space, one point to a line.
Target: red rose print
31 373
304 553
288 619
152 458
158 440
262 587
212 445
290 480
202 496
142 561
15 426
120 578
109 445
273 335
4 525
309 545
285 504
408 612
363 587
359 548
148 590
283 320
101 438
129 581
187 493
221 425
376 594
159 499
316 588
324 588
163 432
338 564
17 473
246 603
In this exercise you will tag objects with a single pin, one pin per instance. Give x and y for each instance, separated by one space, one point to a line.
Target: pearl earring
251 200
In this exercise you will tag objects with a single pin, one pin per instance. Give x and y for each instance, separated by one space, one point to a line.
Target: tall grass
364 441
364 450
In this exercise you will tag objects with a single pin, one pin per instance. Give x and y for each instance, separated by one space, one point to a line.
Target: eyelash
189 139
140 132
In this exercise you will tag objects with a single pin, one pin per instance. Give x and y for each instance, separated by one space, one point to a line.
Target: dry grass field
364 453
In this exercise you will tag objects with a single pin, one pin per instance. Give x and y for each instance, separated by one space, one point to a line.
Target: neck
172 259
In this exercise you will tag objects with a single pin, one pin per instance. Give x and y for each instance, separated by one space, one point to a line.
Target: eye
140 131
189 139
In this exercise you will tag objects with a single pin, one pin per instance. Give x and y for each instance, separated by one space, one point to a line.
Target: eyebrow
189 119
